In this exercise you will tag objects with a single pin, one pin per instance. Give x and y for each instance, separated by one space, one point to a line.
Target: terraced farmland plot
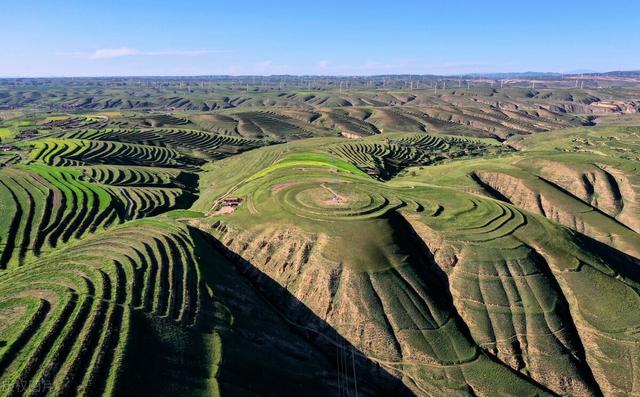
76 306
74 152
161 120
386 158
275 125
128 175
213 145
44 207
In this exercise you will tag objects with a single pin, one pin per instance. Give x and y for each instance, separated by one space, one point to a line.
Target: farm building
231 201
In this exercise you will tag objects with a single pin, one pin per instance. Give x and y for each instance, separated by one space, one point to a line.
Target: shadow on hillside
162 358
353 373
622 263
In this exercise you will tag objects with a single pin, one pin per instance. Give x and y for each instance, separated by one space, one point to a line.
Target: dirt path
337 199
252 208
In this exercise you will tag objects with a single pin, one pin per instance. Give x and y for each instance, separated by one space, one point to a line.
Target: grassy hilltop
190 240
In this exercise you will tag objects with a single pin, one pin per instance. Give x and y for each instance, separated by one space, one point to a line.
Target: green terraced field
319 242
5 133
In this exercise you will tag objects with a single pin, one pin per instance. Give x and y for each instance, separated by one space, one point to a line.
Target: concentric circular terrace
327 200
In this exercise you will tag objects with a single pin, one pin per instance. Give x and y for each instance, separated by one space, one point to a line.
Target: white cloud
113 53
109 53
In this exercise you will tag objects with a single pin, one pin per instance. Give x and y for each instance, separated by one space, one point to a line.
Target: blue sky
144 37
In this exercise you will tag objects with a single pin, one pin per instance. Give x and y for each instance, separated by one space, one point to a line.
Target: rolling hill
367 242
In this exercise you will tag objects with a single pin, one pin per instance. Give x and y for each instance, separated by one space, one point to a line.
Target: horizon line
457 75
